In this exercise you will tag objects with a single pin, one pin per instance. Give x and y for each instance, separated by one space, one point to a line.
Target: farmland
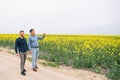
94 52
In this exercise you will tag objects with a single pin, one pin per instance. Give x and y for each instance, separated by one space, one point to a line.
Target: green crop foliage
94 52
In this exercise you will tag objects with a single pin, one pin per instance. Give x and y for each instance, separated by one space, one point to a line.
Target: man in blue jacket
34 47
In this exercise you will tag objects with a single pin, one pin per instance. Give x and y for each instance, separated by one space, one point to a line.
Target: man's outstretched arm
41 37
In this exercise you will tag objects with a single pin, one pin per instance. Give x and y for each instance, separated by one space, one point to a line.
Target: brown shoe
34 69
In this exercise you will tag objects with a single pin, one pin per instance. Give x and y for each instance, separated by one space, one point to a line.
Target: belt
35 47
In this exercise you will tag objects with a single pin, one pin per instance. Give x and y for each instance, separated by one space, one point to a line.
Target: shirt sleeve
26 44
29 45
16 46
41 37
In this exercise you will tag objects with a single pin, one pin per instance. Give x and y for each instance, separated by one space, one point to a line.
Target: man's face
33 32
22 34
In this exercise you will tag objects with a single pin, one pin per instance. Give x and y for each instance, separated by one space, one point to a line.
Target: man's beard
22 35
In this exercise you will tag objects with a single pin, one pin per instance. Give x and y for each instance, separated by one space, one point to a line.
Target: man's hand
29 52
17 54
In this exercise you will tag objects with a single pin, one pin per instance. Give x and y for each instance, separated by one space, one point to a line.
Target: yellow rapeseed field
95 52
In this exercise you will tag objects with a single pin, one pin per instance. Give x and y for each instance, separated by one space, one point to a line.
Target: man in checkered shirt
21 49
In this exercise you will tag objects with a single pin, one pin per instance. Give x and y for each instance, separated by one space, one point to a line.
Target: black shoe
23 73
24 70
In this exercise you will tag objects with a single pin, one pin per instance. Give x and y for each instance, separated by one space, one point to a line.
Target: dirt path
9 69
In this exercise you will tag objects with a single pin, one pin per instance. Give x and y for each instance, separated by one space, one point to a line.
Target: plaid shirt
21 45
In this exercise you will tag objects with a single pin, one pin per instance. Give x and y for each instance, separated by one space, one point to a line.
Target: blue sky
60 16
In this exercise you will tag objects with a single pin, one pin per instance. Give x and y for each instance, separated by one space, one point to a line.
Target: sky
60 16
